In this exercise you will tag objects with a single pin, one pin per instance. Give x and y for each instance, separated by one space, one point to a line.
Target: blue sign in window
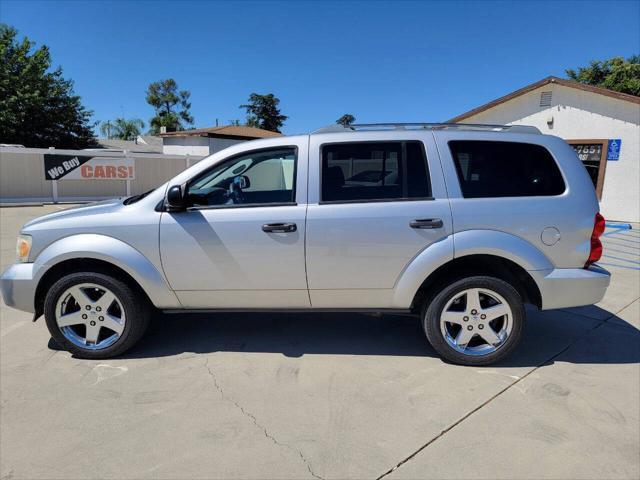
613 149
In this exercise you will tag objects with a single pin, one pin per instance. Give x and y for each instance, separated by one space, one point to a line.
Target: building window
592 154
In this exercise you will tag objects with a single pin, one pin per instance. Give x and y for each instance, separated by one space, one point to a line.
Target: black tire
433 309
136 308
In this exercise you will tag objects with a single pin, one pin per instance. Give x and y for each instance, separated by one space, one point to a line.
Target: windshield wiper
135 198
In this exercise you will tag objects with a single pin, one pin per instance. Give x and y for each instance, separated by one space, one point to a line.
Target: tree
615 74
107 128
263 112
171 106
38 107
122 129
346 120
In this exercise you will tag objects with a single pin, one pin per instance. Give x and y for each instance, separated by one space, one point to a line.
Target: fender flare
115 252
469 242
500 244
418 269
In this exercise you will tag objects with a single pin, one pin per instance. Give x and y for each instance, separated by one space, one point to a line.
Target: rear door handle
426 223
279 227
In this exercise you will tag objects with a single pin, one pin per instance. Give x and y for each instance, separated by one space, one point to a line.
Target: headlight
23 247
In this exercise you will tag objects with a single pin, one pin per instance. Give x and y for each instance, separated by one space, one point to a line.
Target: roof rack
363 127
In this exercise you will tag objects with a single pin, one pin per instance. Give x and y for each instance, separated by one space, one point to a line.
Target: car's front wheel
475 321
94 315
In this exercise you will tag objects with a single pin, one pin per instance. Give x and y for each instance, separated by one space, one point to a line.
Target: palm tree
106 128
122 128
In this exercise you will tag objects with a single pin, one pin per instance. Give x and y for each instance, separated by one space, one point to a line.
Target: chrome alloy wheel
90 316
476 321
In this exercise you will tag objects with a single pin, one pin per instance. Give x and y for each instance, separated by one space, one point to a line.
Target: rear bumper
571 287
18 287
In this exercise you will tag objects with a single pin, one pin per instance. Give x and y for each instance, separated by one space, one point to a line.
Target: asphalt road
327 396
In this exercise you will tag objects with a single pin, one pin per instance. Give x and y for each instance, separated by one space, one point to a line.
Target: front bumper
571 287
18 287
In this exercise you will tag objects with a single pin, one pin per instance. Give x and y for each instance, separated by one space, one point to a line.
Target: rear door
373 206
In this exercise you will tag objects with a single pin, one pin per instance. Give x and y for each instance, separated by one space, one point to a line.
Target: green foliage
615 74
346 120
263 112
38 107
122 129
107 129
252 121
171 106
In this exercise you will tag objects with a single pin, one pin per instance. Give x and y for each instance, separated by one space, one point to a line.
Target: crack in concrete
479 407
254 420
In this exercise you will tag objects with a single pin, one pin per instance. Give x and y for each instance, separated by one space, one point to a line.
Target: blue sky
381 61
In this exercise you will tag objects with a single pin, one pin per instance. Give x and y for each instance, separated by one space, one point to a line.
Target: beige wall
192 145
22 177
151 172
199 146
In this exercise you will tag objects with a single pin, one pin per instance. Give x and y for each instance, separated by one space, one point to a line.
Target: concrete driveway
327 396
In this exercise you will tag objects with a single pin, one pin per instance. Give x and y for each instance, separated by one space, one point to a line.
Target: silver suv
461 225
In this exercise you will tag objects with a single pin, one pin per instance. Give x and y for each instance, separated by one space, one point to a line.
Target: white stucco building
205 141
592 119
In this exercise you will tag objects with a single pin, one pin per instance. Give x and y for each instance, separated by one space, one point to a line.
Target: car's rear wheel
94 315
475 321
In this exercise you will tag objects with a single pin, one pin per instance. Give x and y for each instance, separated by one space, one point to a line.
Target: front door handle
279 227
426 223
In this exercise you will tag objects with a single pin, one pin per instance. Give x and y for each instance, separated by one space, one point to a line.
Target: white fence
23 179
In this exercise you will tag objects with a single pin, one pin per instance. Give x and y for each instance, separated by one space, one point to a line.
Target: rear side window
374 171
505 169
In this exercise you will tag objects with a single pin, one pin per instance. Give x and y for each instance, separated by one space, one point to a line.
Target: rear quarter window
505 169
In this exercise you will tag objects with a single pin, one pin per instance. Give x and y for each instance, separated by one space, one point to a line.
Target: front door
241 242
379 204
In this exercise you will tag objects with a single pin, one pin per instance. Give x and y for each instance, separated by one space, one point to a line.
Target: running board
381 311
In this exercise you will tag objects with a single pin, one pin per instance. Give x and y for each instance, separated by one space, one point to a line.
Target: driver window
256 178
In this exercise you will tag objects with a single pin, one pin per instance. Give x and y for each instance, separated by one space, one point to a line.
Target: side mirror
175 200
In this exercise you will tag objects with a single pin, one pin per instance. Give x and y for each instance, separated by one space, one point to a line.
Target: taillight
596 244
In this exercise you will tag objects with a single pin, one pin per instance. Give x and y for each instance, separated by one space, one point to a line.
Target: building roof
542 83
227 131
151 140
148 144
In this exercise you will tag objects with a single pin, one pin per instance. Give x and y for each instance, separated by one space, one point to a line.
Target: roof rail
360 127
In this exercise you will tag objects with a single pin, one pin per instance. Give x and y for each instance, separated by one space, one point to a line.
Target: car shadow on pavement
297 334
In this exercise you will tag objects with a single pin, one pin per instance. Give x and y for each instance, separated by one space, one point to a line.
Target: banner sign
613 149
81 167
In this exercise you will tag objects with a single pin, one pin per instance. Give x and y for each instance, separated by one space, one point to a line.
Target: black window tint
417 177
505 169
374 171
